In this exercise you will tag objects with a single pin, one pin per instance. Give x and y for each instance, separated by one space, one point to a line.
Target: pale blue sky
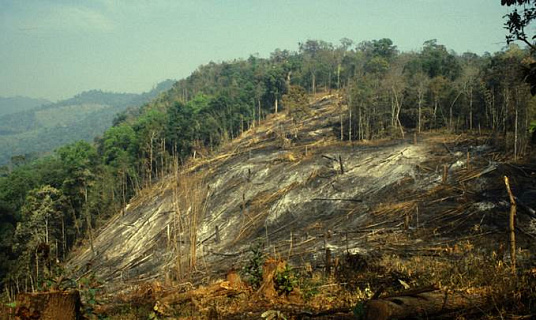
56 48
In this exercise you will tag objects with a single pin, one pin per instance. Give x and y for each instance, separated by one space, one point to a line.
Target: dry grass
189 199
399 209
468 268
463 267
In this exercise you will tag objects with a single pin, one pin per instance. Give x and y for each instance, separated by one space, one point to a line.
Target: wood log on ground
336 313
222 288
424 304
48 306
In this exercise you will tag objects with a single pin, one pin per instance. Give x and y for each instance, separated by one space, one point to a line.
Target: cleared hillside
254 188
294 187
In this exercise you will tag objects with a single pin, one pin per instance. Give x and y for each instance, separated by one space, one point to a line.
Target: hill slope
9 105
83 117
299 190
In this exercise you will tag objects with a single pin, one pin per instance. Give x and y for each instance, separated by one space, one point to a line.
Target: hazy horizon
54 49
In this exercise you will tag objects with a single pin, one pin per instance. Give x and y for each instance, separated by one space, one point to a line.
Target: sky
54 49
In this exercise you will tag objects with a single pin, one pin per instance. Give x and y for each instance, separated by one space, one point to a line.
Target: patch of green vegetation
253 268
285 280
359 310
532 126
309 286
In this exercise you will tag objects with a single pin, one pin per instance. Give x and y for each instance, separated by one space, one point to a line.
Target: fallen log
336 313
48 306
425 304
230 287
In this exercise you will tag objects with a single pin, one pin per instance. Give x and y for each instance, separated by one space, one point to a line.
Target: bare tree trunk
504 113
287 82
46 228
63 239
471 108
436 104
451 128
156 169
163 158
314 83
123 188
488 105
393 111
397 108
329 82
515 134
512 229
177 226
151 157
259 113
350 124
419 104
193 230
88 221
339 76
36 269
450 119
361 124
342 128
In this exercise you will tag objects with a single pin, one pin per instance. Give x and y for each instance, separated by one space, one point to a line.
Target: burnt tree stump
48 306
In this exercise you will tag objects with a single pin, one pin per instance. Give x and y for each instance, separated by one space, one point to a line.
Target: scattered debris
333 212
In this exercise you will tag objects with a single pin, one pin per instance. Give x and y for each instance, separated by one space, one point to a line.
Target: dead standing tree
512 230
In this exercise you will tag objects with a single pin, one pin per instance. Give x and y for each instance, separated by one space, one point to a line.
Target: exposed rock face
294 186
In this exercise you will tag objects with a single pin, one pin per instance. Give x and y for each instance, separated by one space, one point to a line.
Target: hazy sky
56 48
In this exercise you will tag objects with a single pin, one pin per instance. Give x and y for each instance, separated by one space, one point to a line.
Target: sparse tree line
51 204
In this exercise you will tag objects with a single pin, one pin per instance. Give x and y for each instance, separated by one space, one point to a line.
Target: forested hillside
26 134
57 201
10 105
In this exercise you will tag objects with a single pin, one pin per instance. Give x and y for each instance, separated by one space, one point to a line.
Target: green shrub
285 280
253 268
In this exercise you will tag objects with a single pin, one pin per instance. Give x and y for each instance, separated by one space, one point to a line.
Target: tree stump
267 289
48 306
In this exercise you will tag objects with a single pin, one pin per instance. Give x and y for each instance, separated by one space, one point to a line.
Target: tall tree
517 23
37 234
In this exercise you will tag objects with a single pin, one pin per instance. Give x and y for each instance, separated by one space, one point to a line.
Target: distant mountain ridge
83 117
16 104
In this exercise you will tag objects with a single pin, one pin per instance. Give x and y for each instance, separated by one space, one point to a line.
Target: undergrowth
285 280
253 267
465 268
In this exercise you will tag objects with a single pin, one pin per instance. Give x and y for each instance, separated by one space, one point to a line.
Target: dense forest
50 205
